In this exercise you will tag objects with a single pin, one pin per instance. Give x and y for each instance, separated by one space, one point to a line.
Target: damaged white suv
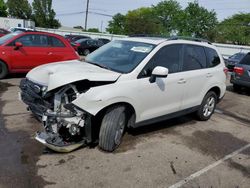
127 83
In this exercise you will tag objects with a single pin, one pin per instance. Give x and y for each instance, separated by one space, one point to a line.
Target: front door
164 96
34 52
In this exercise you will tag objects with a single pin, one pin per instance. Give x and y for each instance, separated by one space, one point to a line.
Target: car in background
233 60
14 29
86 46
3 32
241 74
73 38
22 51
104 40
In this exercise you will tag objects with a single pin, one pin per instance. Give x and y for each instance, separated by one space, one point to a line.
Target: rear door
34 51
196 75
59 51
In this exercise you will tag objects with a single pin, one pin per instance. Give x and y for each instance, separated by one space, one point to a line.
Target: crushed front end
66 127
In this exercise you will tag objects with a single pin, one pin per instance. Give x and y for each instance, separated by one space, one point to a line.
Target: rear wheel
236 87
207 106
3 70
86 52
112 128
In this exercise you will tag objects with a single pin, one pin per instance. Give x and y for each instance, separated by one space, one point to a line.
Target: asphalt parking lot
180 152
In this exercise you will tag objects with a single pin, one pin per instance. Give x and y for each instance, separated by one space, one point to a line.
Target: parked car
24 29
241 74
104 40
73 38
124 84
233 60
86 46
3 32
22 51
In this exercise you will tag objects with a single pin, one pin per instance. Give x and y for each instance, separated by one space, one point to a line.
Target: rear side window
245 60
213 58
56 42
194 58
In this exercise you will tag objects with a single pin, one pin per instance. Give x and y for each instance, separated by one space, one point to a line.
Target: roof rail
189 38
147 35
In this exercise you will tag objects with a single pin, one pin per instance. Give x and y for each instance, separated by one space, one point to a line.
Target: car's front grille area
31 95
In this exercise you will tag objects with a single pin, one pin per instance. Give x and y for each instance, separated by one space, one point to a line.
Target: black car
86 46
241 74
104 40
73 38
234 59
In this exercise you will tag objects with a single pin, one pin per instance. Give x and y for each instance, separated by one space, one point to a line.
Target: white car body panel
62 73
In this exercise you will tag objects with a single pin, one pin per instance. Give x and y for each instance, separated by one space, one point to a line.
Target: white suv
126 83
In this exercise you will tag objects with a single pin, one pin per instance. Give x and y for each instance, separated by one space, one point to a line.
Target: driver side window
169 56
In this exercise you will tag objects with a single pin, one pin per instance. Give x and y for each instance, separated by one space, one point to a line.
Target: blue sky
64 8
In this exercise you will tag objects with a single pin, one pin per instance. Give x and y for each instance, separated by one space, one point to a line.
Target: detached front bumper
53 142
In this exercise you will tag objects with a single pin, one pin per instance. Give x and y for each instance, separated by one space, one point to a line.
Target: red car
22 51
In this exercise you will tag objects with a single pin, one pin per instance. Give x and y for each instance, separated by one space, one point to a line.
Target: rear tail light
77 44
225 70
239 70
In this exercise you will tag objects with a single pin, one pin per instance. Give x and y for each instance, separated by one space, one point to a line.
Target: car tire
86 52
236 87
3 70
207 106
112 128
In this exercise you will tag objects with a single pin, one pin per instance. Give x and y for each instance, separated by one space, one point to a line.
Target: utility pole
86 17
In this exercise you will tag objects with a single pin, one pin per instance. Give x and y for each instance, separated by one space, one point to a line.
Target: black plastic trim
166 117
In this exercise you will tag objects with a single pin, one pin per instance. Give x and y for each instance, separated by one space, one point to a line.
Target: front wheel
86 52
112 128
3 70
207 106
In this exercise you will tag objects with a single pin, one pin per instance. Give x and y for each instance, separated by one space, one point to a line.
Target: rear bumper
240 82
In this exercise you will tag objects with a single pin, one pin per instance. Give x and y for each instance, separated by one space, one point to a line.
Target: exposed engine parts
64 124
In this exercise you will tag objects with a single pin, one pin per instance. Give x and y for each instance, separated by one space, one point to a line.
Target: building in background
8 23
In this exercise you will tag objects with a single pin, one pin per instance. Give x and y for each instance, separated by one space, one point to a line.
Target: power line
83 12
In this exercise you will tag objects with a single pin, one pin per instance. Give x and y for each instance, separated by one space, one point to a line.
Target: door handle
182 81
209 75
50 53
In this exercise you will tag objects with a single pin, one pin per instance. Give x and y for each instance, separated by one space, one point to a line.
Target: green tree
19 9
169 14
3 9
94 30
142 21
117 24
198 21
44 14
235 29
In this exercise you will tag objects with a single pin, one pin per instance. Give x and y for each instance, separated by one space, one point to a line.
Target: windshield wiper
99 65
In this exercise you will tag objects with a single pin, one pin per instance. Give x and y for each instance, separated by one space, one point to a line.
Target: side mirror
160 72
18 45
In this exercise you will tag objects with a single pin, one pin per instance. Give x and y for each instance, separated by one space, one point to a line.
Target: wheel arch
216 90
97 119
5 64
129 107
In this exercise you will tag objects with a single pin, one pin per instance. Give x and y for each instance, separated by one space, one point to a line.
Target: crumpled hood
54 75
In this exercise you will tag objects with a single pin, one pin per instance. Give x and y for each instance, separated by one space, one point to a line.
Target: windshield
7 37
120 56
80 40
238 56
